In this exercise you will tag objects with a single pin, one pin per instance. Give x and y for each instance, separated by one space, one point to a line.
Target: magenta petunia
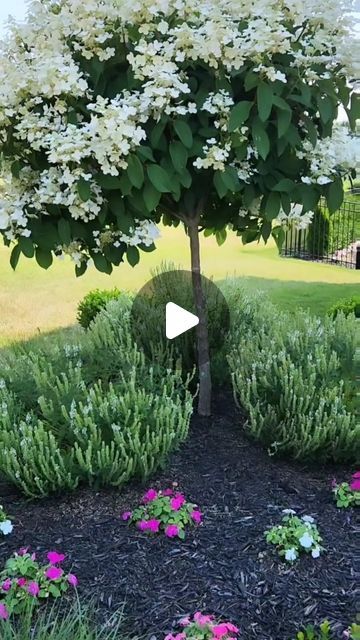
196 516
220 630
21 582
23 551
201 619
55 558
355 485
53 573
150 495
356 474
126 515
33 589
153 525
4 614
6 585
184 622
231 627
72 580
177 502
143 525
172 530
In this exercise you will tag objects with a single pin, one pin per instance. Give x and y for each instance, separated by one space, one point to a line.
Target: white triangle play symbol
178 320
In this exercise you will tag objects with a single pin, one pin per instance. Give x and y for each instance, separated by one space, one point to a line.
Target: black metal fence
329 238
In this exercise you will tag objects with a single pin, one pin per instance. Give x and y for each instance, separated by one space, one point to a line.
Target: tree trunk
204 402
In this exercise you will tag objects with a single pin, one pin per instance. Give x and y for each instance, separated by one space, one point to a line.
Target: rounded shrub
294 375
346 306
93 303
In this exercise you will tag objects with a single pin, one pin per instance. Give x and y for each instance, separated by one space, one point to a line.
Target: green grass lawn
35 301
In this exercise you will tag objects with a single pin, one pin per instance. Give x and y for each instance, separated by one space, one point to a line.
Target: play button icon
178 320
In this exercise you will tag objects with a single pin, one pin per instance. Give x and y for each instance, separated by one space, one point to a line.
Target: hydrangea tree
118 114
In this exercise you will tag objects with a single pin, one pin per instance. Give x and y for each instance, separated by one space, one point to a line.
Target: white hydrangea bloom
295 218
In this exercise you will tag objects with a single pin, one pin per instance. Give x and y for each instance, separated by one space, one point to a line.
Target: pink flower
153 525
231 627
355 485
334 483
167 492
150 495
33 589
72 580
4 614
6 585
196 515
180 636
53 573
169 636
184 622
55 558
177 502
143 525
220 630
23 551
172 530
201 619
356 474
21 582
126 515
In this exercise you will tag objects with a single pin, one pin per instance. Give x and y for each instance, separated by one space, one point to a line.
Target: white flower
315 552
6 527
308 519
291 554
323 180
306 540
289 512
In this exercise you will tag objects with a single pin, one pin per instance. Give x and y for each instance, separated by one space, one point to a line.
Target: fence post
357 261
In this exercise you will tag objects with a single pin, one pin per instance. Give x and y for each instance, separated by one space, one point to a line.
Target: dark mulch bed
224 567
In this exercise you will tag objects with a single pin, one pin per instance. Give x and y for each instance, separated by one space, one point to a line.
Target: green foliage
295 536
345 496
91 412
324 632
318 237
347 306
74 622
93 303
293 374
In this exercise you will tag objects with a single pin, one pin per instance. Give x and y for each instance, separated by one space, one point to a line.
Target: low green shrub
76 622
93 303
94 411
324 632
346 306
294 376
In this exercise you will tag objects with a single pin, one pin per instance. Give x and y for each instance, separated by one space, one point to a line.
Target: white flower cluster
340 150
215 155
144 232
42 64
6 526
295 218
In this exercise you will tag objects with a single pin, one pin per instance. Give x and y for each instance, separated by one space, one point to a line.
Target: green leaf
272 205
15 255
135 171
146 153
108 182
281 103
239 114
159 178
278 233
285 184
64 231
185 178
250 235
354 111
264 95
16 168
261 138
84 189
219 184
133 255
266 230
179 156
221 235
26 246
101 263
151 197
325 107
335 195
283 122
157 132
43 258
80 269
184 133
230 179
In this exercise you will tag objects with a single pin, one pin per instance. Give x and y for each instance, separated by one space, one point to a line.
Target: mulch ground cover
225 566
